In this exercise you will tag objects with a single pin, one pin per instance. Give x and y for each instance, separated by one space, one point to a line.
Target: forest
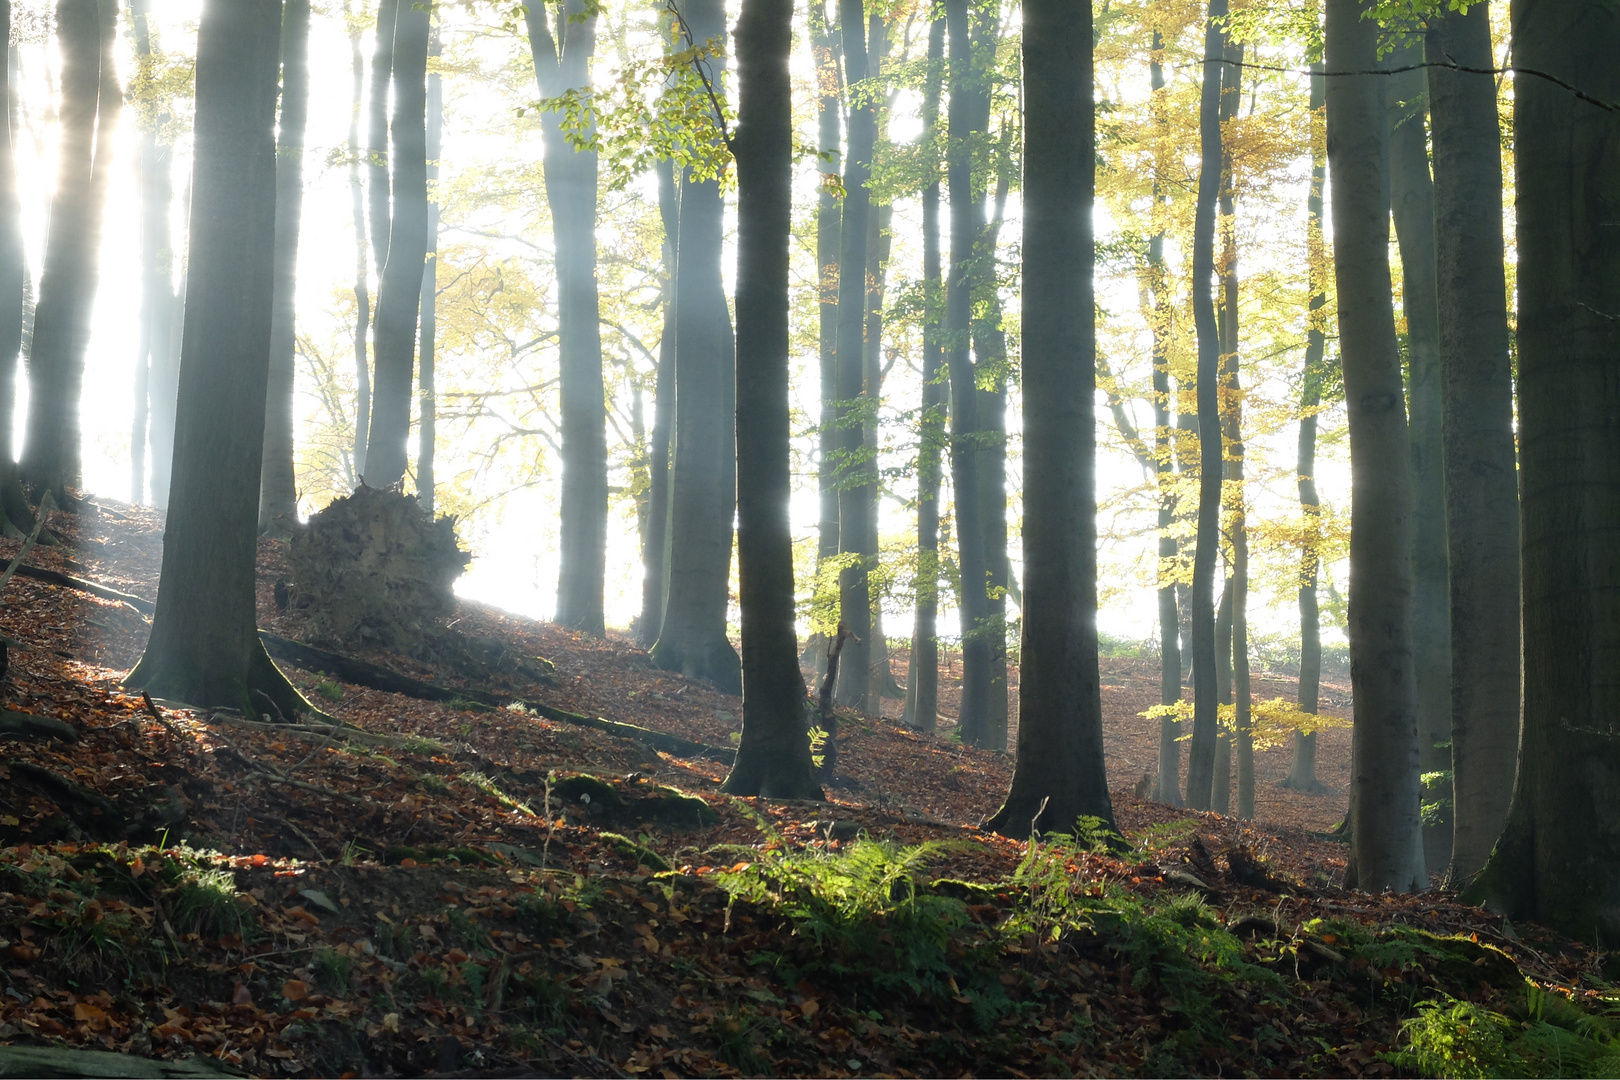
858 537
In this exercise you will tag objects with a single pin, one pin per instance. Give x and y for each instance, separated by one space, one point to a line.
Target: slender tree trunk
1059 774
922 680
89 114
1201 754
703 485
990 366
974 598
378 186
773 758
13 260
205 647
1387 842
1168 789
278 492
879 242
1412 203
1558 859
825 51
1302 770
427 408
399 293
855 472
561 63
362 286
1481 481
655 553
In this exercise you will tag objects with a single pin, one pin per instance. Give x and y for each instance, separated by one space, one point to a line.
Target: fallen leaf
243 996
295 990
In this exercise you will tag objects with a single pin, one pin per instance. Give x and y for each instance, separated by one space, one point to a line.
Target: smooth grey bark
654 553
1386 847
855 472
1412 205
1558 858
879 242
1481 480
922 679
990 368
703 484
205 648
1220 799
362 286
1302 767
1168 786
278 493
89 115
1058 775
427 400
399 293
1201 752
562 59
773 756
141 415
973 598
378 184
825 52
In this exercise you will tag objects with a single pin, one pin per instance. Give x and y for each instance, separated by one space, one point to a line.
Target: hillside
454 888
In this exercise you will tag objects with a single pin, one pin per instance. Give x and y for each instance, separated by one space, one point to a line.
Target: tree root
29 726
70 1061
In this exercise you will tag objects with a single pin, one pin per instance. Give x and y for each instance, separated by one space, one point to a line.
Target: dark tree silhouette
829 82
1482 484
399 293
205 647
1059 775
1386 848
773 758
655 548
562 62
427 406
362 263
1558 859
278 494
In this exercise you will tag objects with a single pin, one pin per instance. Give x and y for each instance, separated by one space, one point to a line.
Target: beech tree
427 403
773 757
703 483
399 292
562 62
1058 775
278 491
1558 859
1386 840
91 99
13 265
1481 480
205 648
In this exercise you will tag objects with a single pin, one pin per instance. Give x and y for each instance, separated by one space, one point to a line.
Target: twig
701 67
305 838
157 714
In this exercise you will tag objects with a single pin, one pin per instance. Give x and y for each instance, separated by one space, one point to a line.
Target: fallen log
68 581
55 1061
29 726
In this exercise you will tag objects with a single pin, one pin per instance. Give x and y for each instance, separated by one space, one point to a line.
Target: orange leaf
90 1014
809 1007
294 990
258 860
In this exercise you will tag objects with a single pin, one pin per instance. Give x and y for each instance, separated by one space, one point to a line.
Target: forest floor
454 889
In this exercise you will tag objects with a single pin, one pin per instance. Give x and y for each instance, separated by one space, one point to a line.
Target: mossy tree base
258 690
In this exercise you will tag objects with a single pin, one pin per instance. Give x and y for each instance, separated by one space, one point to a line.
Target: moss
584 788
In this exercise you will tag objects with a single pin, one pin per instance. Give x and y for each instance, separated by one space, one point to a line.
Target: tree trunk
362 287
655 552
855 472
377 178
922 679
1201 754
1412 203
1058 776
703 486
278 494
1481 481
13 259
562 63
1220 799
973 600
427 408
89 113
773 757
824 48
1558 859
1387 844
1168 789
155 362
878 245
990 367
399 293
1302 769
205 648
